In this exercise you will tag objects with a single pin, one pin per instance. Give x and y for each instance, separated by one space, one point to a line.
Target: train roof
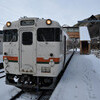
37 23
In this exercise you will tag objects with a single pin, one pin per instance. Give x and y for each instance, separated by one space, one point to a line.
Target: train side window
10 35
60 35
27 38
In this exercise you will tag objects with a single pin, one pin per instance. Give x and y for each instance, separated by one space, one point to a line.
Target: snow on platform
81 80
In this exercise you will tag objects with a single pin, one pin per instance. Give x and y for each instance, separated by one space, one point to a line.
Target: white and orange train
34 52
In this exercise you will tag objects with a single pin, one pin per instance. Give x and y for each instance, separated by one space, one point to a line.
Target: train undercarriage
31 82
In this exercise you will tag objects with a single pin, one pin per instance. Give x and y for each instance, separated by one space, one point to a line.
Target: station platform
81 79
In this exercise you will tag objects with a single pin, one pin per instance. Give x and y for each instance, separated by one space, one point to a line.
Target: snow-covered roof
84 34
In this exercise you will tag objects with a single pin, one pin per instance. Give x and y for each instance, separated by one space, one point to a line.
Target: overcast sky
64 11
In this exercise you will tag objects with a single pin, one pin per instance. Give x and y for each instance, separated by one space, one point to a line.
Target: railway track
2 74
41 95
1 71
45 95
17 95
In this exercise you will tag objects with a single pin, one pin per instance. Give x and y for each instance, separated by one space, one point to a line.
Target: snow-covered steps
81 80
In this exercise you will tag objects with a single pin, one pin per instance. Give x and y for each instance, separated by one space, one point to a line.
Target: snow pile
81 80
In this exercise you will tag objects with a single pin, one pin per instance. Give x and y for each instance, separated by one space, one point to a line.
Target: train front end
33 53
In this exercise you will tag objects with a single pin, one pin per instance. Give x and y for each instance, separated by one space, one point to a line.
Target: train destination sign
27 22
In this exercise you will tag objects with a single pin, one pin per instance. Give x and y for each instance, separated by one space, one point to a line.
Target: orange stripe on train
47 60
11 58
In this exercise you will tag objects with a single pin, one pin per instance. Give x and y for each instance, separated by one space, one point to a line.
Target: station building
84 40
73 32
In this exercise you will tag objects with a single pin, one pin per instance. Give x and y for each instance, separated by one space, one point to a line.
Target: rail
17 95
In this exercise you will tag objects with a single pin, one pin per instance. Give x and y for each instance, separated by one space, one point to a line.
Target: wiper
12 39
44 38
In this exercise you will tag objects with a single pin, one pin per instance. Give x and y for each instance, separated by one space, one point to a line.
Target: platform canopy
84 34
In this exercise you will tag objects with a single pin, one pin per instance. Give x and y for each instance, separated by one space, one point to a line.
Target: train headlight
51 63
8 24
6 60
48 22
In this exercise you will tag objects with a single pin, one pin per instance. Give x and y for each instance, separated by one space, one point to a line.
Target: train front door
28 51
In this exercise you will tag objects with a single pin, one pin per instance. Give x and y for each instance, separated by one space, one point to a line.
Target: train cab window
10 35
48 34
27 38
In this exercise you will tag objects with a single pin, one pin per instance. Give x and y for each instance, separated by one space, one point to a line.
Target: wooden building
84 40
73 32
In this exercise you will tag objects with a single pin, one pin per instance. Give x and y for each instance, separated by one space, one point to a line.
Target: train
34 52
1 49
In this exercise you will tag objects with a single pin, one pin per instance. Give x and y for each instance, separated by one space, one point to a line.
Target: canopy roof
84 34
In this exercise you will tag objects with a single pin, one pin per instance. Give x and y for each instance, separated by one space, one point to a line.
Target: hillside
94 28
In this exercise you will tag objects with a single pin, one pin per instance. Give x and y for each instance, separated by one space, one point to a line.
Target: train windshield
10 35
48 34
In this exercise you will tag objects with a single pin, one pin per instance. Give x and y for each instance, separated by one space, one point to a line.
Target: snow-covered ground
81 80
7 91
2 73
1 58
96 52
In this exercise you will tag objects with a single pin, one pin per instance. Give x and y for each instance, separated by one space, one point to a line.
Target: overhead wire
9 8
1 23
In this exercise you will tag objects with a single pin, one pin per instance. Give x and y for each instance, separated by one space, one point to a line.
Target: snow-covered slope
81 80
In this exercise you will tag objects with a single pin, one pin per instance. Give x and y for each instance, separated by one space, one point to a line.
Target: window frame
12 37
22 21
25 40
54 36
